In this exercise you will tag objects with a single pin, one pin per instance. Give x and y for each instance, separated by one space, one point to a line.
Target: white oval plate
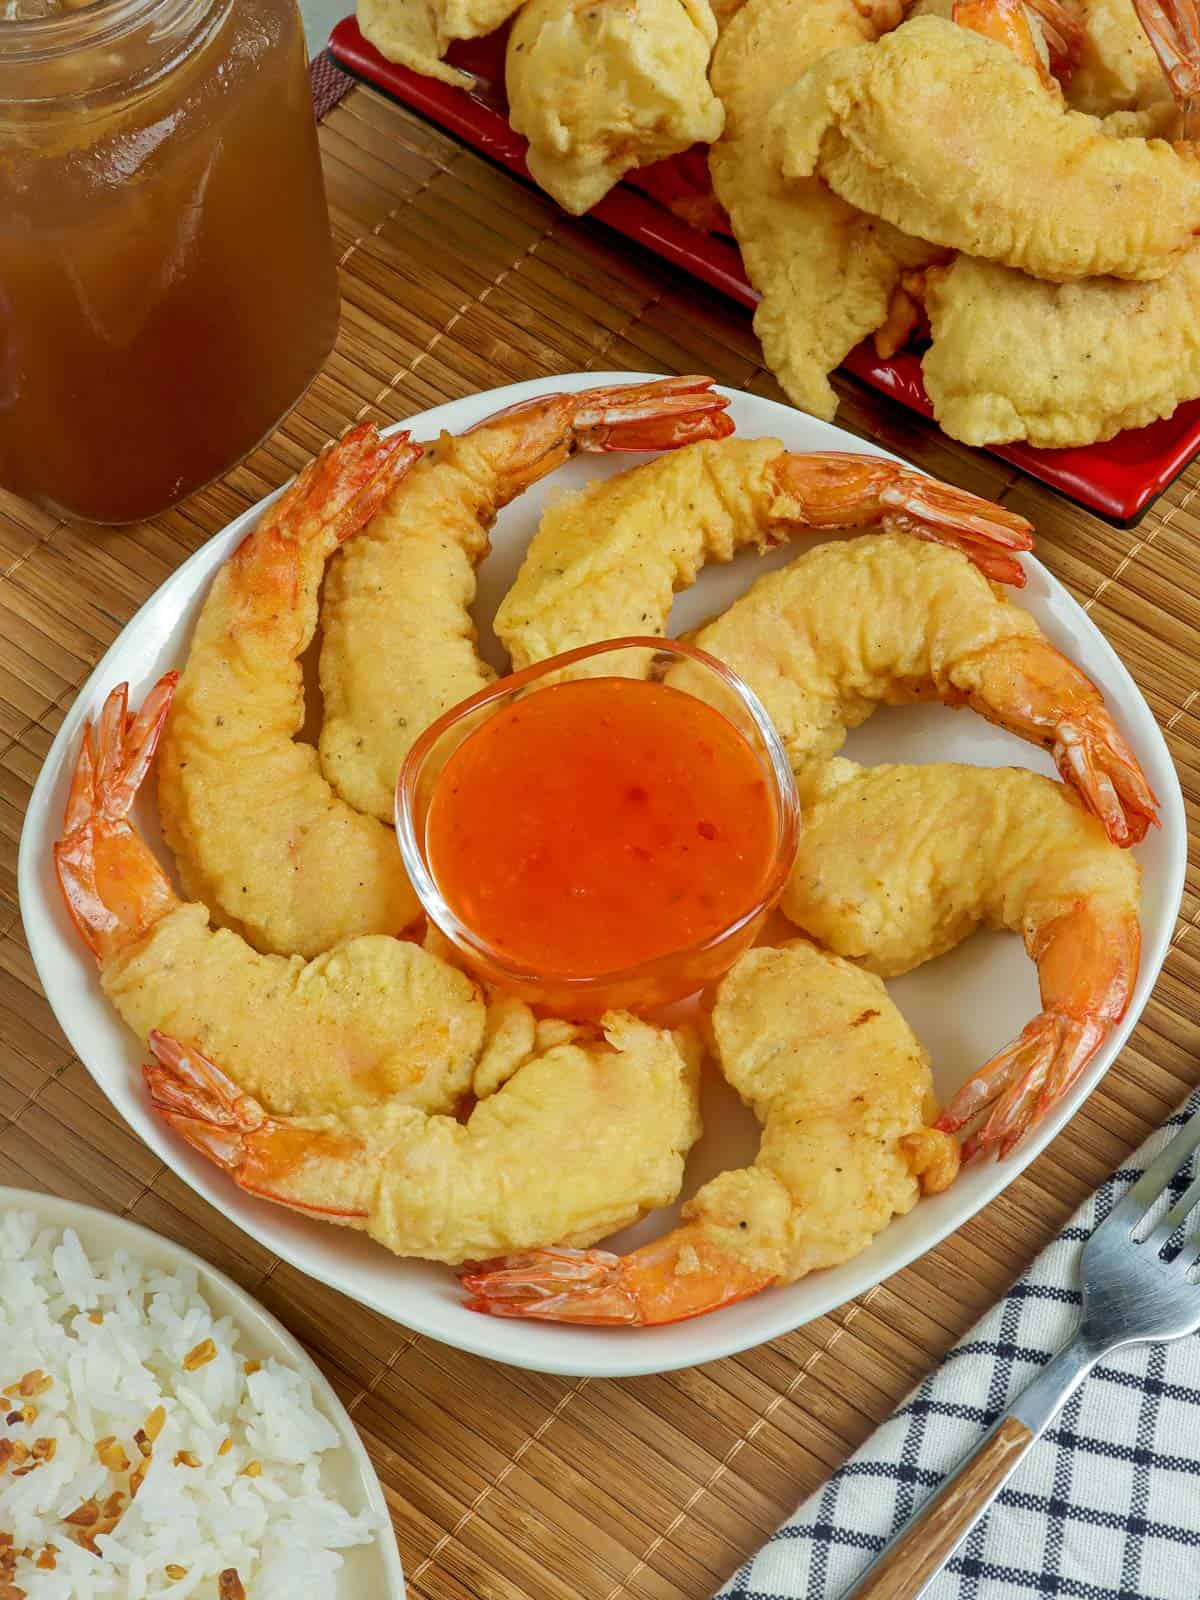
370 1569
991 984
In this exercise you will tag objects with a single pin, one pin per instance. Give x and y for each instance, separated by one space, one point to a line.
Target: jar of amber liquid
167 285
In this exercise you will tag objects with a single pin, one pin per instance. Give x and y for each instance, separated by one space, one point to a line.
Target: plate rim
616 1363
80 1216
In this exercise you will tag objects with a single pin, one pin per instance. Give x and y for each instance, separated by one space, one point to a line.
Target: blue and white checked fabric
1106 1506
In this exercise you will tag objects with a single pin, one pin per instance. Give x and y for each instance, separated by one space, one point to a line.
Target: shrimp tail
652 416
1092 756
1025 684
186 1087
559 1285
113 887
1023 1080
1173 29
344 484
1087 961
336 494
263 1154
837 489
1008 23
684 1274
543 432
987 534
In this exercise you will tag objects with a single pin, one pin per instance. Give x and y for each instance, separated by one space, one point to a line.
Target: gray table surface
319 17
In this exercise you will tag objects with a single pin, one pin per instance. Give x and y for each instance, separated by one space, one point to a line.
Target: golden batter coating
840 1083
258 834
946 134
1058 364
598 88
374 1019
843 1091
825 270
1117 69
899 864
580 1142
608 560
886 620
399 642
418 33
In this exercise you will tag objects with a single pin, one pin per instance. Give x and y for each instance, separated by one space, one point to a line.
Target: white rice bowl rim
101 1233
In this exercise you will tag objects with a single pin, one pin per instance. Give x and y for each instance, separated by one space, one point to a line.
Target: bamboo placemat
502 1483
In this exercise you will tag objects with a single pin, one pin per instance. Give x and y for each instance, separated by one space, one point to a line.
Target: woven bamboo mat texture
505 1484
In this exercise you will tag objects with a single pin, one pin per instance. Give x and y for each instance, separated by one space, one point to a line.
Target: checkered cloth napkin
1106 1506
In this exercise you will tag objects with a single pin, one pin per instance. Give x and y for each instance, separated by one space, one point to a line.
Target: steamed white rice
101 1345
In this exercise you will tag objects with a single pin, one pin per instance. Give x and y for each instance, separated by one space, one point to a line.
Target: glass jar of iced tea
167 285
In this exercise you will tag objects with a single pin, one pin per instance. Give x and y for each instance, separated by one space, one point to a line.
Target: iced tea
167 287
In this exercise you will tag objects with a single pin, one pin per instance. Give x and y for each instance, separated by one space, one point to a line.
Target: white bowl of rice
162 1437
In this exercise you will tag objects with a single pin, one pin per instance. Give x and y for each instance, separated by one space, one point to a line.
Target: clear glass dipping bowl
653 984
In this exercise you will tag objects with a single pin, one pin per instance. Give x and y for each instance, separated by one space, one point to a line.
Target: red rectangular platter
1118 479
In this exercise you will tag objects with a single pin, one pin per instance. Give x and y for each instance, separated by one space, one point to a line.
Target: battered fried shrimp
826 271
1013 357
579 1142
418 33
946 134
399 643
601 86
885 620
608 561
1058 364
899 864
375 1019
259 835
843 1091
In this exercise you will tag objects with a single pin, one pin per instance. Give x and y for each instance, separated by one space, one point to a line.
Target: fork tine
1176 1217
1156 1177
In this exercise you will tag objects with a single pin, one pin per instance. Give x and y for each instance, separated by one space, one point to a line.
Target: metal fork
1131 1295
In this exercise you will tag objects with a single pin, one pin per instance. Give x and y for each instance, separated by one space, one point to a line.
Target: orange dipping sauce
601 823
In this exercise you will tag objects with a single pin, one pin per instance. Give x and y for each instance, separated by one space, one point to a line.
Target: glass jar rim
31 41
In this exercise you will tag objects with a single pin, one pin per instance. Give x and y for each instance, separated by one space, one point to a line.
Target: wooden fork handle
904 1566
929 1540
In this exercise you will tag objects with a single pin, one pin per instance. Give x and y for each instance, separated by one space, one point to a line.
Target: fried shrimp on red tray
843 1091
826 271
1013 357
888 620
375 1019
580 1141
947 134
1001 848
599 90
258 833
608 560
399 642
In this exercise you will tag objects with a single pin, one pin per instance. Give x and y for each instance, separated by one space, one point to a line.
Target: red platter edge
1118 479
